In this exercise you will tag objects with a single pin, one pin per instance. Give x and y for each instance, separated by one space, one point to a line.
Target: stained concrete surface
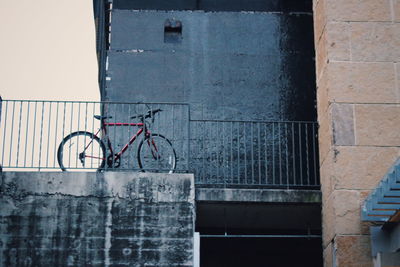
258 195
96 219
228 65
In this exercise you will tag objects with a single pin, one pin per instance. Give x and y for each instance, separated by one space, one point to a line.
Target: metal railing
32 133
218 152
255 153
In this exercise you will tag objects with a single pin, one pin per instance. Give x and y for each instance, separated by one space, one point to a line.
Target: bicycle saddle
99 117
149 114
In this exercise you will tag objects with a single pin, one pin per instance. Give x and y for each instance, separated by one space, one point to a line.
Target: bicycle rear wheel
155 153
81 151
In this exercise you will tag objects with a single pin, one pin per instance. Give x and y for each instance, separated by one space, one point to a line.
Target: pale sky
47 50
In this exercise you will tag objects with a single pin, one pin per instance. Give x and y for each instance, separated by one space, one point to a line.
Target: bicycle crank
113 161
82 158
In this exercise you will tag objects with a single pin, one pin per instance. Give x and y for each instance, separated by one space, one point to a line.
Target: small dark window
172 31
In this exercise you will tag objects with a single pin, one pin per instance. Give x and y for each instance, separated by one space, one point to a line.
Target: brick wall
94 219
358 76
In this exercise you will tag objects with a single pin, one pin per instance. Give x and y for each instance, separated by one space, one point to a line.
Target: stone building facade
358 95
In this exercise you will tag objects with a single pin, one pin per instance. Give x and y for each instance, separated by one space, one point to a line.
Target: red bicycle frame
103 128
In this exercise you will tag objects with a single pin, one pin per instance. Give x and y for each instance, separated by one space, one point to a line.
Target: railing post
189 135
1 105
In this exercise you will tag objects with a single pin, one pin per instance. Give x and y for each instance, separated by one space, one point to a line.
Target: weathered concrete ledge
258 195
163 187
96 219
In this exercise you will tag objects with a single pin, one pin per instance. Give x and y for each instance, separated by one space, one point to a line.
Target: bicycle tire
160 159
77 148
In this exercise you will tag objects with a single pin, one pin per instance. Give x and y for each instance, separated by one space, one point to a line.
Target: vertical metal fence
218 152
246 153
32 133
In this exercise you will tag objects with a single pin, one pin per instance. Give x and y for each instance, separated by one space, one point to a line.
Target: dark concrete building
246 71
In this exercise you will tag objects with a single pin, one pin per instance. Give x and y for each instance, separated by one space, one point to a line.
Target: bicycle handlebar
149 114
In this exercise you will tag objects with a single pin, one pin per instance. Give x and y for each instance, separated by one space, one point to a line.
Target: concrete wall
227 65
358 95
216 5
96 219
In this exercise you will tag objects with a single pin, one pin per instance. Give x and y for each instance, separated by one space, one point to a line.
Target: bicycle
88 151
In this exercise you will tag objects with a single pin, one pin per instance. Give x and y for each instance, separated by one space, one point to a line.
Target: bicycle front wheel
155 153
81 151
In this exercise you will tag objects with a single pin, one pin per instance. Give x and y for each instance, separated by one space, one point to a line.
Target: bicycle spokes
81 150
157 154
153 148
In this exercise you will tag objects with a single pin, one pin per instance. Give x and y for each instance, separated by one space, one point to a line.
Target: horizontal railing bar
256 121
260 236
97 102
93 169
233 185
